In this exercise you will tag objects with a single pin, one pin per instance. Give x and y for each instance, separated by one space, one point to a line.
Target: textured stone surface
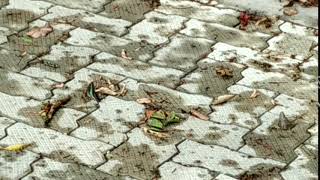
181 56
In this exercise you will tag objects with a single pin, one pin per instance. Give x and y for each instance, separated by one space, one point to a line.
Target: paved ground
182 55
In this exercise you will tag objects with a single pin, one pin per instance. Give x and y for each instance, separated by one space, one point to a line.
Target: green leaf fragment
172 118
91 92
159 115
27 39
155 123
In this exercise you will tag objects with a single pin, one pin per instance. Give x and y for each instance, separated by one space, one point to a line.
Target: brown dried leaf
199 115
107 91
254 94
224 72
223 99
290 11
59 85
144 101
40 32
160 135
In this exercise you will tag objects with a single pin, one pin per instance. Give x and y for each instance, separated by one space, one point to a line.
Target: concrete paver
119 61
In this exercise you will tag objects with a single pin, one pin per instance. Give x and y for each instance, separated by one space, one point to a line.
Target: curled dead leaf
224 72
199 115
144 101
160 135
223 99
107 91
255 94
40 32
59 85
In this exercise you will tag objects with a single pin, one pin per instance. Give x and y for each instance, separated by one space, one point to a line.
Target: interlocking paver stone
195 10
121 115
53 144
160 27
182 56
221 33
171 170
219 159
182 52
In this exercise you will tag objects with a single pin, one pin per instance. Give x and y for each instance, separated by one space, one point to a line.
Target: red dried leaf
244 19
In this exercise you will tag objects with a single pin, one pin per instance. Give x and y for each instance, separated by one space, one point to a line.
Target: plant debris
224 72
124 55
223 99
16 148
112 89
255 94
305 3
58 85
160 135
290 11
145 101
160 119
49 109
40 32
199 115
91 92
244 20
26 40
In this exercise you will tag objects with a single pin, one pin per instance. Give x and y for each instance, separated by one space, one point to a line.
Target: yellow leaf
16 147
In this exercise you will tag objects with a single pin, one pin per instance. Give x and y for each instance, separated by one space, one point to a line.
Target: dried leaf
223 99
40 32
149 113
16 147
254 94
107 91
23 54
59 85
290 11
91 92
244 20
160 135
199 115
49 109
224 72
125 55
144 101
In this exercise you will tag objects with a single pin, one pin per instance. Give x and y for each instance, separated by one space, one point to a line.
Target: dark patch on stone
16 19
11 60
248 105
263 172
312 155
229 163
211 84
184 56
132 11
234 37
38 46
10 156
137 161
32 115
75 172
102 128
63 156
133 49
279 144
157 20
